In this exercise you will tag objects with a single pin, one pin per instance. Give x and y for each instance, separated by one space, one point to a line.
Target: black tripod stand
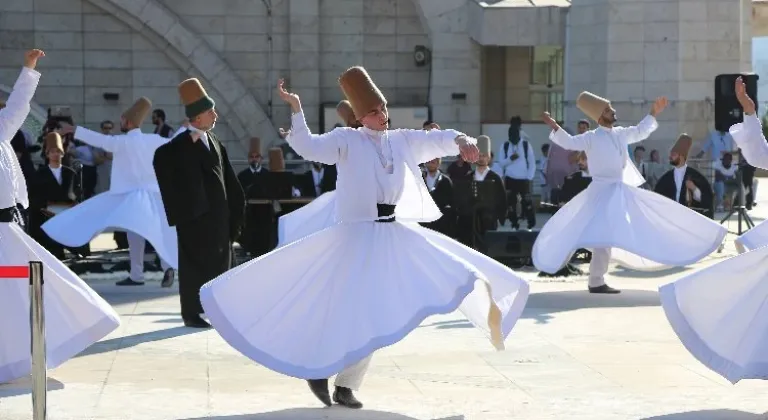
741 209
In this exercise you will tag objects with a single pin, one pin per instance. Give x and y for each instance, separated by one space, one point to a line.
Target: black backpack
525 152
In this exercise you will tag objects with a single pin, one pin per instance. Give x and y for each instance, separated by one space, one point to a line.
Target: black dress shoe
319 388
604 289
168 278
129 282
196 322
344 396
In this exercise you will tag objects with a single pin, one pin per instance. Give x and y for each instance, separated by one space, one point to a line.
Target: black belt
386 210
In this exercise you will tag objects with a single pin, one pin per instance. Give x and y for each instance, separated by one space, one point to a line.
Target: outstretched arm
646 126
437 143
17 107
92 138
749 134
326 148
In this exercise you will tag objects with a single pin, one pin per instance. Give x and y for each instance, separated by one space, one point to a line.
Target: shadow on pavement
711 415
541 305
118 343
636 274
332 413
24 386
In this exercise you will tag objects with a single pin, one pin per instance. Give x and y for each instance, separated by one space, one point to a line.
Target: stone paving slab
572 356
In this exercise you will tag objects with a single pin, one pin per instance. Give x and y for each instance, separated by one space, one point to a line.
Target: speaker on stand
728 112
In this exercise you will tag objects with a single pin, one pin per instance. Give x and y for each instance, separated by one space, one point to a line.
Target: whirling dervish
376 274
612 212
133 203
76 316
720 313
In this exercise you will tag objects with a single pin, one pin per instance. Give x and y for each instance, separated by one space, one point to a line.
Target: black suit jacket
443 196
573 185
252 182
197 183
666 186
327 183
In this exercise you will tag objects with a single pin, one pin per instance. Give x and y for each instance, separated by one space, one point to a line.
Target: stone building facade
488 60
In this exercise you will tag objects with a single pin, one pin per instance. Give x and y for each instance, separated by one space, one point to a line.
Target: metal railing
34 272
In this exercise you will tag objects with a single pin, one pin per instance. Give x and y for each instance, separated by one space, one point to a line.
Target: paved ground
573 356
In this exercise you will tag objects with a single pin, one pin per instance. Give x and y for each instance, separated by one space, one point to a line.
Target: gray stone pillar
304 56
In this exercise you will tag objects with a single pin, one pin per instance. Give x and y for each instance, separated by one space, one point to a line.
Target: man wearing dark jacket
202 198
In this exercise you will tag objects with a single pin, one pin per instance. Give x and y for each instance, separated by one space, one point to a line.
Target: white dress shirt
432 180
317 177
56 173
680 183
13 186
203 136
480 174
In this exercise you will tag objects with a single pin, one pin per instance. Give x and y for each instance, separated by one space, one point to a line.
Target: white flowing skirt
754 238
311 218
138 211
327 301
650 229
75 315
720 314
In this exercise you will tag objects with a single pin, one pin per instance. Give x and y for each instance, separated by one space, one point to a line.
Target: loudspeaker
727 109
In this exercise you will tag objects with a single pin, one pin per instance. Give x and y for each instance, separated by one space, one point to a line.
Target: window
547 65
550 101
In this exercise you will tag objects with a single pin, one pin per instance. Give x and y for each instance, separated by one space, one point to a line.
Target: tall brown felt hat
484 144
361 92
138 111
592 105
276 160
53 140
347 114
683 145
194 98
255 146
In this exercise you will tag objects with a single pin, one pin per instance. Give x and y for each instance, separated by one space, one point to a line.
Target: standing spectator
725 181
161 127
543 173
518 161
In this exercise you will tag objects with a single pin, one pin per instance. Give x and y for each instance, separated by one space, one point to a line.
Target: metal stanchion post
37 333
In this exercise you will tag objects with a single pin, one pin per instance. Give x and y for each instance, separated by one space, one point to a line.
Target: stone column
304 56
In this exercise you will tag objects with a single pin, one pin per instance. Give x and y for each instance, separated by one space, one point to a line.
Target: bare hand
658 105
468 151
31 57
548 120
690 185
741 94
283 133
291 99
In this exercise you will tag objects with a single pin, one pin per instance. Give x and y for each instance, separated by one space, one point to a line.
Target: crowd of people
339 273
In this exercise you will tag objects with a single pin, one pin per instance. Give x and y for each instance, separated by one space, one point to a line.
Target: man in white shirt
518 162
717 143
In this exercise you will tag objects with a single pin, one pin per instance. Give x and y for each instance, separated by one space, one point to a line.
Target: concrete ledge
513 23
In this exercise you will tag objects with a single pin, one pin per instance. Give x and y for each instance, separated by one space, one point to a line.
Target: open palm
291 99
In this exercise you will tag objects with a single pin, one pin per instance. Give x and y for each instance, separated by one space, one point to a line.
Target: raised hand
31 57
548 120
658 105
433 126
468 151
283 133
291 99
741 95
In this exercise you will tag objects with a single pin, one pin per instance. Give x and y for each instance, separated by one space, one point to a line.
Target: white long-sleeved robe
638 225
76 316
720 313
749 137
408 271
133 202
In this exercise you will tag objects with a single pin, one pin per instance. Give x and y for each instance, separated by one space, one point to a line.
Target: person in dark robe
440 187
255 238
577 181
488 207
318 180
202 198
52 185
684 184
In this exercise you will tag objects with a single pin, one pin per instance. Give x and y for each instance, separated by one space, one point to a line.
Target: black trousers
522 188
90 177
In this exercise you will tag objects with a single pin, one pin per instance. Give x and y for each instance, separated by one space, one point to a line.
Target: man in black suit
318 180
684 184
577 181
202 198
440 187
51 184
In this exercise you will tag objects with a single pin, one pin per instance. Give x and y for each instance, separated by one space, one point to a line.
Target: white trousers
601 257
352 376
136 245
